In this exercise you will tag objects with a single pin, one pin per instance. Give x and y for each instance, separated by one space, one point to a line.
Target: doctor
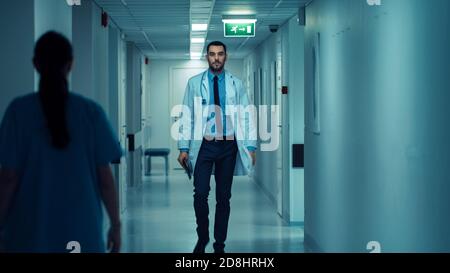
224 139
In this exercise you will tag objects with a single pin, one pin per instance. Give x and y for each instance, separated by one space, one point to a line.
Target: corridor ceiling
161 28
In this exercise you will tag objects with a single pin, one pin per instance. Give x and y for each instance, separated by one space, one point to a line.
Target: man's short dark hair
217 43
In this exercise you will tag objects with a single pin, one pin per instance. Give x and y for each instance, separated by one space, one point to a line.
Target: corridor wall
376 166
17 73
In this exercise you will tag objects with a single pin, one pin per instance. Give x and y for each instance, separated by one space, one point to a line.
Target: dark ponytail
52 57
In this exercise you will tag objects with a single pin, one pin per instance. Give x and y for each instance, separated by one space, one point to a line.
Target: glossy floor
160 219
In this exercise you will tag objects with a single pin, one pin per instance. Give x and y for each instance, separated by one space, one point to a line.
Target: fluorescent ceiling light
240 13
195 48
199 27
239 21
197 40
196 54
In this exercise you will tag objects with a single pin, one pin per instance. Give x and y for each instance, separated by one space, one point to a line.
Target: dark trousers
221 154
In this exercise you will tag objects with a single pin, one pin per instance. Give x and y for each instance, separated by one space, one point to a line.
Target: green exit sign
239 29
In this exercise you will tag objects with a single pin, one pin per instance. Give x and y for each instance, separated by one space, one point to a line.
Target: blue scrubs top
58 198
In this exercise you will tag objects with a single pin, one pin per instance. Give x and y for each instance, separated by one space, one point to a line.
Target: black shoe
200 247
219 248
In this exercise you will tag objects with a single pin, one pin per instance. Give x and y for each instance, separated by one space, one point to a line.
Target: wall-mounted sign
239 27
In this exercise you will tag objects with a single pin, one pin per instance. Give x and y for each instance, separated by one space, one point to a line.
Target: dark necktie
216 91
219 127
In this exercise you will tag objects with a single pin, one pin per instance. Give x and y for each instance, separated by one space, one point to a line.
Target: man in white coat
218 133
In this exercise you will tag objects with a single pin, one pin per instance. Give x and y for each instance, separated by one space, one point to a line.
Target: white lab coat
198 87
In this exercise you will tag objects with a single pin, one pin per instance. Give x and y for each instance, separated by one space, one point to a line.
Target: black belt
224 138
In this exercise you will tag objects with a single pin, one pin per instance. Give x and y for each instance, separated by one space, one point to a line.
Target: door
179 77
283 150
122 125
276 94
116 107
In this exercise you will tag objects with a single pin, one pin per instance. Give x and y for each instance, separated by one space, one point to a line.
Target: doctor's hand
253 155
182 158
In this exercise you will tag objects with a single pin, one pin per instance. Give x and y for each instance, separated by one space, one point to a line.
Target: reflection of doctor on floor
227 142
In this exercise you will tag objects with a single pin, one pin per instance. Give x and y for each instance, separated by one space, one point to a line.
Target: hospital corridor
160 219
225 126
